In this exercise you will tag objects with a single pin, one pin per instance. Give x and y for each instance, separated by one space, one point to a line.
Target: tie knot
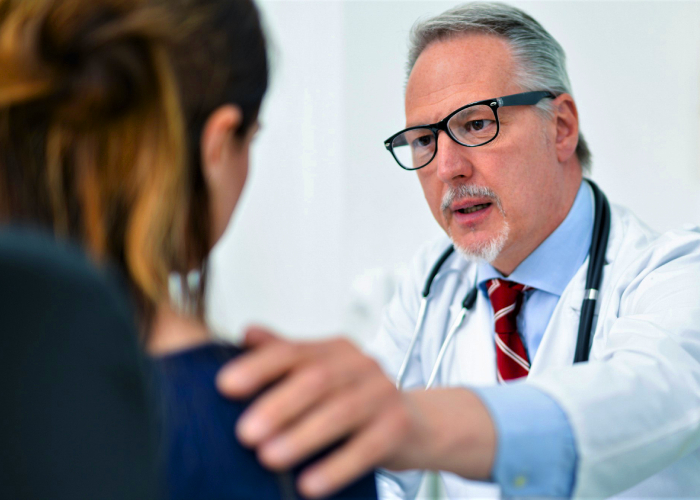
506 298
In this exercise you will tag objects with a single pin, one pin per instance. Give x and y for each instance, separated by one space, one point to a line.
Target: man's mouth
475 208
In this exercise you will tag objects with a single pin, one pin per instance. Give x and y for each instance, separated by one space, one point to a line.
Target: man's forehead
462 69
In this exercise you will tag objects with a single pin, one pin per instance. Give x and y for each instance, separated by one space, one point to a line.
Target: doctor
492 132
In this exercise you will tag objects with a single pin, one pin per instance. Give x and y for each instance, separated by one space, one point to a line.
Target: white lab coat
634 408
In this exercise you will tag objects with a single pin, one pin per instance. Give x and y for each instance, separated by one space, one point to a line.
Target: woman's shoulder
204 458
205 358
187 384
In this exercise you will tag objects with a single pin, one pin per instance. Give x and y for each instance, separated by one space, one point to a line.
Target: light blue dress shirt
536 453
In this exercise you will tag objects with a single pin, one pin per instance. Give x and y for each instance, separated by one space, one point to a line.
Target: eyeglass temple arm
525 99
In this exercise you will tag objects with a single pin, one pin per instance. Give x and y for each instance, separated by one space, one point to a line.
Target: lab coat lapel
472 357
558 344
559 339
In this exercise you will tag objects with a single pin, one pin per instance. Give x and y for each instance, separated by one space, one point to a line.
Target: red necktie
511 357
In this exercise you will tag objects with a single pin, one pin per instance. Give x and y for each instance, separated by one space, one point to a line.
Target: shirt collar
555 262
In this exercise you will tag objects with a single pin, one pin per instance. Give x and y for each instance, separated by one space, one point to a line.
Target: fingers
324 424
235 381
293 396
252 371
356 457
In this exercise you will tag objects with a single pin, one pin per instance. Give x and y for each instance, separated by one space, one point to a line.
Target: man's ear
217 143
566 116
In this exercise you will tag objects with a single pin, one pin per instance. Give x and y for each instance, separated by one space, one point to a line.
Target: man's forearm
521 441
452 431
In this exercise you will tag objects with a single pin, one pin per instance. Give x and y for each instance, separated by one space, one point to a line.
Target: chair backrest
77 419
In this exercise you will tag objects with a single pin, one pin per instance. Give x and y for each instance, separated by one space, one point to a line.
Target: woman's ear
224 165
217 141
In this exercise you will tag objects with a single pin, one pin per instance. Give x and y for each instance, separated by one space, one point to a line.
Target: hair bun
92 59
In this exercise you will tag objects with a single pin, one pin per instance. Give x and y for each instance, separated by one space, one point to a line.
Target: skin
225 159
531 165
323 391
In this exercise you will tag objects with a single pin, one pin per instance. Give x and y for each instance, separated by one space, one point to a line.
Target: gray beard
484 252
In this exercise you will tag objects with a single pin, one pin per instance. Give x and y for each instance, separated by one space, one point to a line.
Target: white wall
325 202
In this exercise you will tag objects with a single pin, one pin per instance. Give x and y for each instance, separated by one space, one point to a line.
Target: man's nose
453 160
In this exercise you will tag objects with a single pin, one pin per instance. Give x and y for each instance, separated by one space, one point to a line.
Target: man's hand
325 391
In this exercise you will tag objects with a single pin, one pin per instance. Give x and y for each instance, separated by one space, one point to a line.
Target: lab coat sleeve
635 407
398 485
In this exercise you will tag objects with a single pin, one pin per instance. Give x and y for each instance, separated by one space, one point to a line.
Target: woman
126 125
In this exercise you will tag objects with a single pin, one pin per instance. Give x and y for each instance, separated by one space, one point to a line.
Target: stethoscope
599 245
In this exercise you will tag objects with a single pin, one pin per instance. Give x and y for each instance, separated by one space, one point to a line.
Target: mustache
469 191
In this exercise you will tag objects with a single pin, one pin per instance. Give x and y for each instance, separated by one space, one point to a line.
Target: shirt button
520 481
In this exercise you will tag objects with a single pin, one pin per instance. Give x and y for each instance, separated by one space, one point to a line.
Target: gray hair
540 60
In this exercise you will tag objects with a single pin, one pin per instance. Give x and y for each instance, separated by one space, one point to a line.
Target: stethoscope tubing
416 334
594 277
443 348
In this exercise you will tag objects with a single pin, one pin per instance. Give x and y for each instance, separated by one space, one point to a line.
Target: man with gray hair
552 382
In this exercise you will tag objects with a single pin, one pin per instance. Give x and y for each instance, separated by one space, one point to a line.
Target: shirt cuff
535 450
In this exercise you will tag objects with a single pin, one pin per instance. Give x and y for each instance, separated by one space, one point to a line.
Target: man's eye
478 125
475 124
423 141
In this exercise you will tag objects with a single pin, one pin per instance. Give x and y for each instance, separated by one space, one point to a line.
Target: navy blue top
204 460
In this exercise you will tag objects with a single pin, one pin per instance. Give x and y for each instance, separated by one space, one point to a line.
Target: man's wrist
451 431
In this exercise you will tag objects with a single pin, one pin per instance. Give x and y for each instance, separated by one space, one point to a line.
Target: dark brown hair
102 104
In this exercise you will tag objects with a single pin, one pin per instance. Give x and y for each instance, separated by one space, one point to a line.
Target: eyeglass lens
472 126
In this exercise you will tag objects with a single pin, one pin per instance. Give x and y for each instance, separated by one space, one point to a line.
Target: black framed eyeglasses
472 125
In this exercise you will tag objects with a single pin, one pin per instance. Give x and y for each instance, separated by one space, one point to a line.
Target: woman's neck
173 332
